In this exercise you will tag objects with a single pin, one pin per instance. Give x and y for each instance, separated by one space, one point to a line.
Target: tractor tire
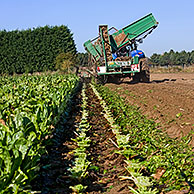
136 78
102 79
144 74
144 70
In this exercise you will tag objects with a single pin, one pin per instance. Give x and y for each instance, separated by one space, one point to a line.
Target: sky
175 30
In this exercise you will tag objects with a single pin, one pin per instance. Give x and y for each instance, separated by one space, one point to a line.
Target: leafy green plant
179 115
81 164
151 147
30 107
78 188
142 182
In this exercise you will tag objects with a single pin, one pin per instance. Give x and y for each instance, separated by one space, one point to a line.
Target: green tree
82 59
191 56
65 61
172 57
165 59
155 59
182 58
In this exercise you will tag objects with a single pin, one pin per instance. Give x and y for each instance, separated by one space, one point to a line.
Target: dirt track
168 99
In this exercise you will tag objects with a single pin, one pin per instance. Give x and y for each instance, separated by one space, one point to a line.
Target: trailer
114 53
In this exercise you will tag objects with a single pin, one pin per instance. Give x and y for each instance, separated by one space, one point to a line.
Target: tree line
34 50
172 58
51 48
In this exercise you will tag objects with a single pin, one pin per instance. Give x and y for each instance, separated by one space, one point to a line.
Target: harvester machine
114 54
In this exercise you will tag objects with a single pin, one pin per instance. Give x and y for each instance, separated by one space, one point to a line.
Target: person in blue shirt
114 56
138 53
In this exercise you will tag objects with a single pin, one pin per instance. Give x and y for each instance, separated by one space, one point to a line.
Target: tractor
114 54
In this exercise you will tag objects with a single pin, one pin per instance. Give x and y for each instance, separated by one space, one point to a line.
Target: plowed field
168 99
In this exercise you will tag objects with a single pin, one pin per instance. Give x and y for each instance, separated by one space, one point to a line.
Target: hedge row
33 50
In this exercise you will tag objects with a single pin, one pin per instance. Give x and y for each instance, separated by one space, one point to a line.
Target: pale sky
175 30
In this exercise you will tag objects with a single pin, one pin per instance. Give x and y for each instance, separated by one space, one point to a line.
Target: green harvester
114 54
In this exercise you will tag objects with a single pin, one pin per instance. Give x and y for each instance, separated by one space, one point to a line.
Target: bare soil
168 99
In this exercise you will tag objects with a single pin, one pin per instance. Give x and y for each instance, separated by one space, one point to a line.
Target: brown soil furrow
109 165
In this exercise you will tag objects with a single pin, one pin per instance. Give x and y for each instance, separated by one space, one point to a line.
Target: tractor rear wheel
144 74
144 70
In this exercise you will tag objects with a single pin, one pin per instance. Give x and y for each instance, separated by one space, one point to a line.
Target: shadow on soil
153 81
164 80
